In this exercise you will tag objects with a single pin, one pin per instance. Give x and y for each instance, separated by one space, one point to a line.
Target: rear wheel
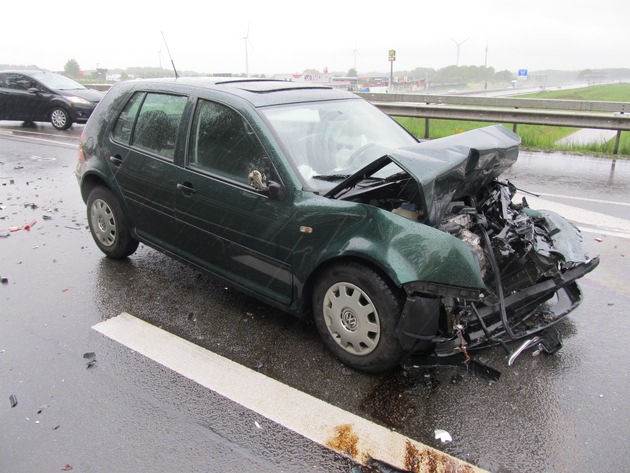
60 118
356 311
108 225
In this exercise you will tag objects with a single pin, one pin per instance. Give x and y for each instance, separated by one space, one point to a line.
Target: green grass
606 93
543 138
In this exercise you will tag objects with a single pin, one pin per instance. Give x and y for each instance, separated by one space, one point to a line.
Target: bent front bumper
525 312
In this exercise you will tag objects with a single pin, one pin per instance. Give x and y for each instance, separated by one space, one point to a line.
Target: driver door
226 225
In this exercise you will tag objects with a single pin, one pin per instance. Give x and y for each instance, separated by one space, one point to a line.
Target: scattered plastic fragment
5 234
13 400
91 357
599 240
443 436
67 468
257 424
26 227
47 217
30 225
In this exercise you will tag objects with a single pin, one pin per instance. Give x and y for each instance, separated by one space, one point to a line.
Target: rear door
16 102
224 224
144 141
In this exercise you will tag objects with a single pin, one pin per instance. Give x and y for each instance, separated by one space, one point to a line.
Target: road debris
91 357
13 400
443 436
26 227
4 280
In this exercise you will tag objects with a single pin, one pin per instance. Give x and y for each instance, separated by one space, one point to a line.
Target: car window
19 82
150 122
124 125
223 143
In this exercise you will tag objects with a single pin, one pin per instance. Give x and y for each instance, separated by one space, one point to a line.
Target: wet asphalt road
566 412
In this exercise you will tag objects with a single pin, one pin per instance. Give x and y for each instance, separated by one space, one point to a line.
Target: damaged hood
447 168
458 165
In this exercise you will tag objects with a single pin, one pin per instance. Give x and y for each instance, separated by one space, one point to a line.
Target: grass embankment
542 138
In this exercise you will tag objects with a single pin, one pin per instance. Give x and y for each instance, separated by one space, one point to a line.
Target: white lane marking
310 417
586 220
584 199
42 140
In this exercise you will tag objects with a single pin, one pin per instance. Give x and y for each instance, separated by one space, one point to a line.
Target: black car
39 96
316 202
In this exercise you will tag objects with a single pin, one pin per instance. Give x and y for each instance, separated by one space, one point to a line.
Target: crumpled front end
530 262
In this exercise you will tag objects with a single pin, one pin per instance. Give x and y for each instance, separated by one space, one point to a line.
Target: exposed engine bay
529 260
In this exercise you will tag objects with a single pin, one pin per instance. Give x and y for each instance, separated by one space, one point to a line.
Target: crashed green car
315 202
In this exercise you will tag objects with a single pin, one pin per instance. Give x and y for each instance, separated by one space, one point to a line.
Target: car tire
356 311
108 225
60 118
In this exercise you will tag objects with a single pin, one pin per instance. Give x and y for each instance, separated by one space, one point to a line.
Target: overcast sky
291 36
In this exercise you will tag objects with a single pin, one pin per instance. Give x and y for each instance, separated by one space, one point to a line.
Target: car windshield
57 82
329 141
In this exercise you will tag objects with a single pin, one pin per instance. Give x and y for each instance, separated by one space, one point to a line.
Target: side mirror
33 90
270 188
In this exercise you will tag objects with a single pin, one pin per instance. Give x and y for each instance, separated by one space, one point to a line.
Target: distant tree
504 76
584 73
352 72
72 68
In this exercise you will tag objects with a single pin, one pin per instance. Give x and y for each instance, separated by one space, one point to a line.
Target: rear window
150 122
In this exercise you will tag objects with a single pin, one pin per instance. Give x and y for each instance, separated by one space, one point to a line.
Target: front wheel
60 118
108 226
356 311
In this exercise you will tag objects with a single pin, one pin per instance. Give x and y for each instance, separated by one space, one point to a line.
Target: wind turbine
247 41
458 45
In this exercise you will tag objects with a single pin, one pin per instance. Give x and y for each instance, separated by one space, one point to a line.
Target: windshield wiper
331 177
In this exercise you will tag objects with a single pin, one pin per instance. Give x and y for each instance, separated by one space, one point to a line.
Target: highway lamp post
392 58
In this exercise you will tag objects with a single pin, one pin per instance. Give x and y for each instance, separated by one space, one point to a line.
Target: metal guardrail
573 113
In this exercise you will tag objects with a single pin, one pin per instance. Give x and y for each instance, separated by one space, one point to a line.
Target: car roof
259 92
27 72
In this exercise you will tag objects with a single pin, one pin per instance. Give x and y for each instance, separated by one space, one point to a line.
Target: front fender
407 251
411 251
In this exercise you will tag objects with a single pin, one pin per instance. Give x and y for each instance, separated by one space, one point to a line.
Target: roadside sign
392 54
522 74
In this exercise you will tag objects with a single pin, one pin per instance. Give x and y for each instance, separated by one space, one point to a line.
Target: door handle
115 160
186 188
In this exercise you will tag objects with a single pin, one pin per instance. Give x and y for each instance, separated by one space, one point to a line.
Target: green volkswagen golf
315 202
